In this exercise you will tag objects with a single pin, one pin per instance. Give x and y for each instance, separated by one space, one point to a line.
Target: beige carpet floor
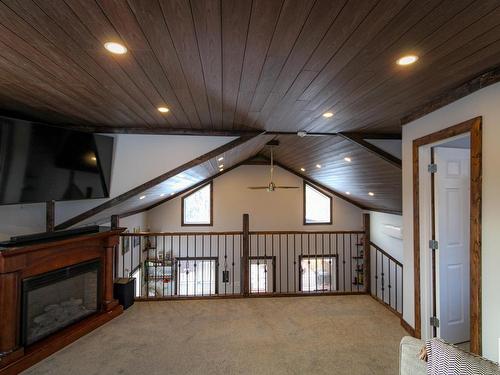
303 335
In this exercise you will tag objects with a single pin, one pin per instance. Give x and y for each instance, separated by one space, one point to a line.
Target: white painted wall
137 159
281 210
483 103
379 236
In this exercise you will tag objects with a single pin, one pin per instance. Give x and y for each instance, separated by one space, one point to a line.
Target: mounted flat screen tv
40 163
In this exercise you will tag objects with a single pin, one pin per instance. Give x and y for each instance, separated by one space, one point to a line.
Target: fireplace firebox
56 299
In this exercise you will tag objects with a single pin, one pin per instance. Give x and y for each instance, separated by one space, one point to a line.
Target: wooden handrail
307 232
386 254
146 234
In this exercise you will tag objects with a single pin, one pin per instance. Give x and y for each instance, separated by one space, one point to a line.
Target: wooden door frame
474 127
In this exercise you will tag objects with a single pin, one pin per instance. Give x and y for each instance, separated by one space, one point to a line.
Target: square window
317 206
197 206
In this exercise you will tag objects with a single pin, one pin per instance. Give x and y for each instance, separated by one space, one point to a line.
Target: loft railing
181 264
211 264
386 279
294 262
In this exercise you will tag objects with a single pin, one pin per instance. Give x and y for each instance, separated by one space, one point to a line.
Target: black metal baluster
383 284
225 262
294 263
376 273
389 285
396 286
343 257
232 262
210 247
280 258
265 262
287 266
309 259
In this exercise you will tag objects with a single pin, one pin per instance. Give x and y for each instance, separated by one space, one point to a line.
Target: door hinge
432 168
434 321
433 245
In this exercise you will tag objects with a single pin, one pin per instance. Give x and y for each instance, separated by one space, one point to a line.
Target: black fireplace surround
57 299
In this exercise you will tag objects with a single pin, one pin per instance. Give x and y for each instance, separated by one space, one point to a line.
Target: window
197 206
262 275
317 206
318 273
196 277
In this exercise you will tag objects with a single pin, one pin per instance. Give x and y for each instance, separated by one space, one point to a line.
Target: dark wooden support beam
155 181
158 130
115 221
50 207
479 82
181 192
359 139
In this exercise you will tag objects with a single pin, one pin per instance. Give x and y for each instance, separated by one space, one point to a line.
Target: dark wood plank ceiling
239 64
365 172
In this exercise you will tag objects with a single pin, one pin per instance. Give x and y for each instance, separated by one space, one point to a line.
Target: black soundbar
49 236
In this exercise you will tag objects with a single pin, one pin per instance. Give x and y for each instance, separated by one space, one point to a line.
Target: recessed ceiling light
93 158
142 197
162 194
328 114
172 193
163 109
318 165
347 159
221 166
407 60
220 159
303 169
371 194
348 192
220 170
116 48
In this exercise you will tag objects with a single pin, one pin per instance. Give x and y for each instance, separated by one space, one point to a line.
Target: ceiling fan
272 186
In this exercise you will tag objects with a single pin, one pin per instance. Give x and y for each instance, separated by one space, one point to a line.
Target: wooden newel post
49 216
366 252
245 282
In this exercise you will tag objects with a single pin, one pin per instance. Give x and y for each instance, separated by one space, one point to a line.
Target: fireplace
56 299
52 292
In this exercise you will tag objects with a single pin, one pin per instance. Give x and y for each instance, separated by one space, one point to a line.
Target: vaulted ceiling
238 64
247 66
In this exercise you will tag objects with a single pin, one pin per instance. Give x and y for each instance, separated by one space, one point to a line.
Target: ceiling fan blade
258 187
287 187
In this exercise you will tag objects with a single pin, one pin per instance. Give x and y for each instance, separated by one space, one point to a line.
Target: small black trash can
124 291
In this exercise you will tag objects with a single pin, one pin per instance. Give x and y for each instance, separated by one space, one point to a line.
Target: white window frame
306 222
183 208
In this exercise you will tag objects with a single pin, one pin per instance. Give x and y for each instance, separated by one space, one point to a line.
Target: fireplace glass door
57 299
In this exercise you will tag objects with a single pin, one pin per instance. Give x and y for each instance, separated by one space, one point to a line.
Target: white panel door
452 207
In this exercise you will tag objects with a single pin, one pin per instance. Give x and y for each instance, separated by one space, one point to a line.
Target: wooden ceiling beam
360 140
151 183
479 82
156 130
184 191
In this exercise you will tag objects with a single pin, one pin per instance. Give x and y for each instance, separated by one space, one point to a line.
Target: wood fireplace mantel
18 263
